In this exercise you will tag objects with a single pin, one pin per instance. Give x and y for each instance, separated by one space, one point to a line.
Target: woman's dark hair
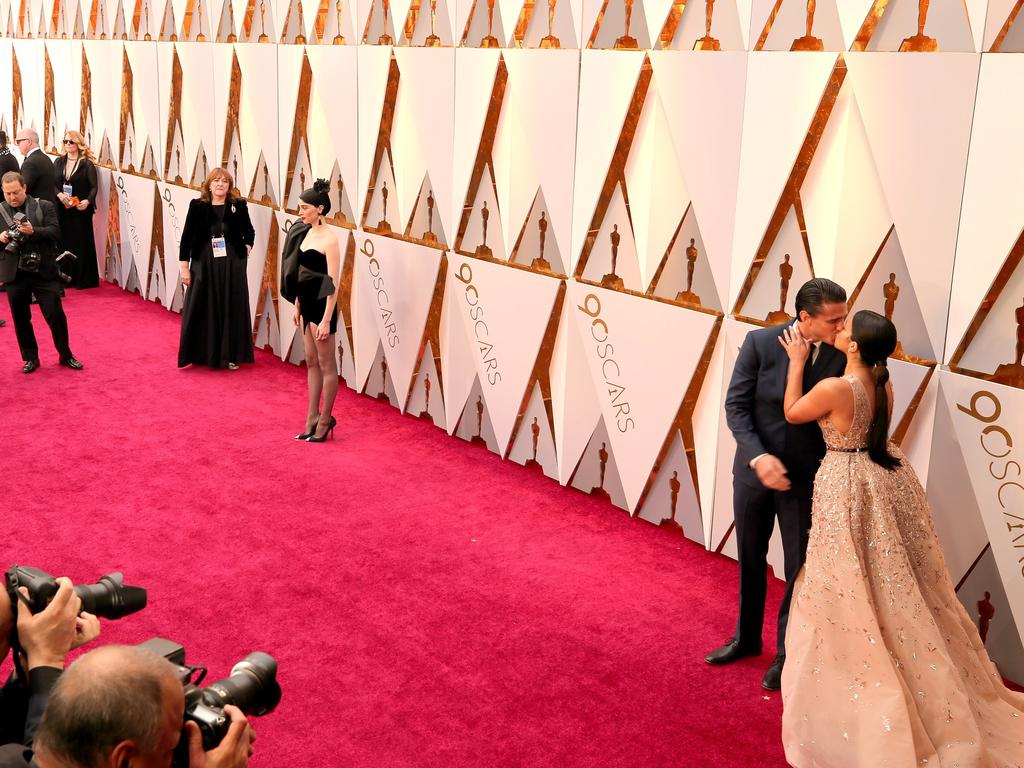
318 195
3 140
816 293
876 340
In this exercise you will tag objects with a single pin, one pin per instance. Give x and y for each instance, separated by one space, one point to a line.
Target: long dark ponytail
876 339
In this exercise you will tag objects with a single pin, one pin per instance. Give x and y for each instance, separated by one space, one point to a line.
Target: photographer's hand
3 237
87 629
47 636
26 227
233 751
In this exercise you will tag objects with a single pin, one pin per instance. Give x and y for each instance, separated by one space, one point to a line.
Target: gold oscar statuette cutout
688 296
920 43
300 39
535 434
612 280
199 13
707 43
627 42
339 216
338 39
263 38
103 23
385 38
550 41
382 225
483 249
540 263
809 42
1012 374
479 437
383 394
425 413
891 292
232 37
433 41
145 17
490 41
785 275
429 238
598 490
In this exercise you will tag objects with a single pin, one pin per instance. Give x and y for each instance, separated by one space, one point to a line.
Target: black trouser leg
19 296
48 295
794 511
754 511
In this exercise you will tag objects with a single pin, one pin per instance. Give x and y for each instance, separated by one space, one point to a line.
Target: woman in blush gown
885 669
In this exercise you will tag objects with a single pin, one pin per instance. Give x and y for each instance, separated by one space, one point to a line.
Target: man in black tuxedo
37 167
773 473
31 270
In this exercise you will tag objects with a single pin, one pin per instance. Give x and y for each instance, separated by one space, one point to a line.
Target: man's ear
122 755
803 315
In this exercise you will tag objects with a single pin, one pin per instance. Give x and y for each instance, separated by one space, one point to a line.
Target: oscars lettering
377 280
480 330
610 369
989 438
126 207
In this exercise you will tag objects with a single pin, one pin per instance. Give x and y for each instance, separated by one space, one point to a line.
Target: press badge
67 190
220 248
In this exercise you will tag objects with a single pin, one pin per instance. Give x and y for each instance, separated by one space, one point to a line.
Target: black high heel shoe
330 431
309 434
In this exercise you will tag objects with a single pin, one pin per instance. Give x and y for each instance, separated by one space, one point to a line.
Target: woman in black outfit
75 179
215 243
8 162
309 279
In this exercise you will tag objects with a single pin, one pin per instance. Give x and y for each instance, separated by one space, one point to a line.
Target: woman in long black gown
75 178
215 243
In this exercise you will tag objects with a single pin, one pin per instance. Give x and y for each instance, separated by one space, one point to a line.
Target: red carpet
429 605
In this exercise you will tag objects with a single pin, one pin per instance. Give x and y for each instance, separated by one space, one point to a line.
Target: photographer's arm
232 752
49 230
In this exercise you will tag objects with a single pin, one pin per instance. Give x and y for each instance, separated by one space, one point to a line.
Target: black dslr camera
251 686
14 234
108 598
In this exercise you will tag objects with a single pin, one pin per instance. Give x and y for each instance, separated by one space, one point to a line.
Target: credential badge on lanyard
220 247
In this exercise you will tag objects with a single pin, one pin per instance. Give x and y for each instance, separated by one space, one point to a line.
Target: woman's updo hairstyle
318 195
876 340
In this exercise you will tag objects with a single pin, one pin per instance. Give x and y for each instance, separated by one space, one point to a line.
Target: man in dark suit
37 167
31 269
773 473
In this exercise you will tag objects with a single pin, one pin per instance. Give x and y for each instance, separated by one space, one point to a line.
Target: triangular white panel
136 215
365 333
504 338
995 19
907 379
422 132
852 14
917 111
783 94
641 392
703 97
992 214
545 133
475 70
373 67
607 82
397 280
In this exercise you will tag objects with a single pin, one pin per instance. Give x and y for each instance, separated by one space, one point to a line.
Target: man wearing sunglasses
37 167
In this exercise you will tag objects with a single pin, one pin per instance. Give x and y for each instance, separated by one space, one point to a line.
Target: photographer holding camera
45 638
121 707
29 235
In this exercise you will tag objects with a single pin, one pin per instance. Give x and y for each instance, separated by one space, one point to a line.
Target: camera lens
252 686
110 598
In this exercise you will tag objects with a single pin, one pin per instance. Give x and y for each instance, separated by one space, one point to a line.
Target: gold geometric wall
560 219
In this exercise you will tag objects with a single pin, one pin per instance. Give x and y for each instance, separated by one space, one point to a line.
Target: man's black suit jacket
44 240
754 407
37 169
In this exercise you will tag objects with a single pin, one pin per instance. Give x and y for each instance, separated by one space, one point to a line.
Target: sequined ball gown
884 667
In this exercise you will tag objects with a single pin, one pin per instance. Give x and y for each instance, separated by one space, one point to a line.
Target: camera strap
6 215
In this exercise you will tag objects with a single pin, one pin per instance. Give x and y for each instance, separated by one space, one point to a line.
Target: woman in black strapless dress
311 278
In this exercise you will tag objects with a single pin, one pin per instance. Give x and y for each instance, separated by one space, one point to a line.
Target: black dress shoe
72 363
730 652
30 366
773 677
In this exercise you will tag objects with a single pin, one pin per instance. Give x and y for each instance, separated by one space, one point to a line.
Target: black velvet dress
311 303
76 233
215 322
